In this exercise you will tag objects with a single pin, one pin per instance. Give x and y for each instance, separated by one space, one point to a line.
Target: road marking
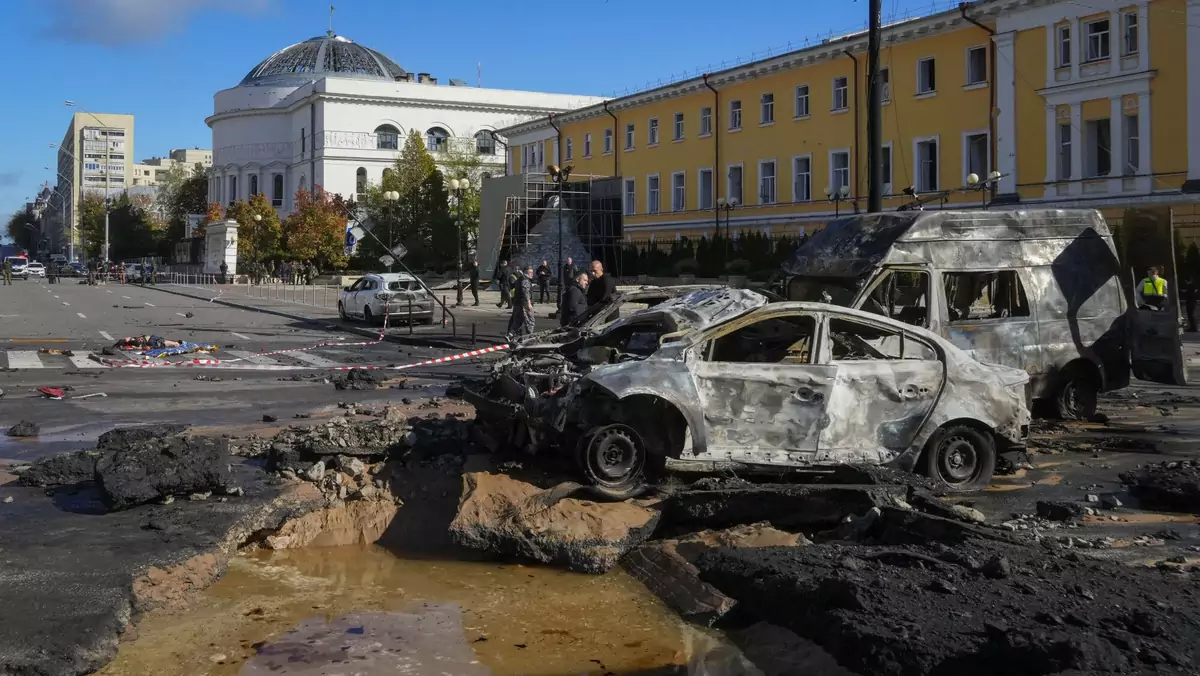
126 297
313 359
66 303
106 291
24 359
57 298
38 340
81 361
81 315
238 335
251 357
181 314
106 335
150 304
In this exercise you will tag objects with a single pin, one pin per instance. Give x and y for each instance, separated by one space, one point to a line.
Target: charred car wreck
719 375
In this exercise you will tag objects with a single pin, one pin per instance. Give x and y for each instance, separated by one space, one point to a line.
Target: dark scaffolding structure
593 201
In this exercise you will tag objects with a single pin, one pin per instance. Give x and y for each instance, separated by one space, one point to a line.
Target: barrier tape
131 363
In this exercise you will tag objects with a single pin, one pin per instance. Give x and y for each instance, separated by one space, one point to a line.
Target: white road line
81 361
250 357
313 359
66 303
106 334
106 291
56 297
181 314
150 304
238 335
126 297
24 359
81 315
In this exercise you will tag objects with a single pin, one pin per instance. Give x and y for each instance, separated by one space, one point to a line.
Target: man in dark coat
569 272
602 286
521 322
504 280
475 281
543 282
574 300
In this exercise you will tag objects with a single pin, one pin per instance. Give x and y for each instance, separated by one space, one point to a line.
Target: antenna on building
331 21
479 74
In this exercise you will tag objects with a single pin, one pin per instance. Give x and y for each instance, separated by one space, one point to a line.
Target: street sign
357 232
399 251
386 259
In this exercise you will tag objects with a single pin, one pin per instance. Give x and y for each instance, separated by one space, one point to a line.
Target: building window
630 197
629 129
706 189
678 126
608 141
525 157
360 184
1099 148
1132 146
652 195
977 65
927 166
303 142
541 153
1064 152
485 143
1129 32
1064 46
841 93
735 114
232 190
839 170
926 76
570 149
436 139
587 145
652 132
705 121
766 104
253 184
766 182
734 189
885 84
801 101
886 161
277 190
678 191
387 137
1096 47
977 155
802 179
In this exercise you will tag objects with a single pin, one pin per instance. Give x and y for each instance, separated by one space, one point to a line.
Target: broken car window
852 341
402 285
769 341
902 295
974 296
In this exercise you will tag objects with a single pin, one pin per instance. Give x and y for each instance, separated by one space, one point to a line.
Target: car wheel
368 317
342 311
1076 397
615 462
960 458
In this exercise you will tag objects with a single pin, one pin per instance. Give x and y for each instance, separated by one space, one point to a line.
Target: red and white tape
144 363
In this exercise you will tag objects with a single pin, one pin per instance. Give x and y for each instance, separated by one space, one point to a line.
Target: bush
686 266
739 267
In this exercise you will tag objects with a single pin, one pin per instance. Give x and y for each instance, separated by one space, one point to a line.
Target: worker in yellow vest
1152 290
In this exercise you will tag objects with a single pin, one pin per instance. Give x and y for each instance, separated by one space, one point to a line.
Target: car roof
829 308
392 276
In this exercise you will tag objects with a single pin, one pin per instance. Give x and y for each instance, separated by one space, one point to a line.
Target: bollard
410 318
472 334
443 311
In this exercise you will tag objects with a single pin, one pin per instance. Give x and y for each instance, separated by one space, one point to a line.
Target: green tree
465 163
20 235
183 193
258 239
316 230
406 220
134 231
91 224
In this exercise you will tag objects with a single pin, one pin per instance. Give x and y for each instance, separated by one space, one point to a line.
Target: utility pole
874 112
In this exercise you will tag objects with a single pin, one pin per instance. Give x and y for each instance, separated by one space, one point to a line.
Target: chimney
422 77
432 80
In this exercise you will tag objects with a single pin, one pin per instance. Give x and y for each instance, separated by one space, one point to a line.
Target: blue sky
162 60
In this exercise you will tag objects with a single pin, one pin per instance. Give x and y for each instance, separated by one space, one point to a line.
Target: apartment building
96 156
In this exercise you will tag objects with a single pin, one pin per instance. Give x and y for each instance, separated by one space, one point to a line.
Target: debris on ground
150 470
63 469
1171 486
56 351
358 379
24 428
122 437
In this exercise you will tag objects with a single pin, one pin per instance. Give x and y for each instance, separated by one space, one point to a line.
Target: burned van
1040 290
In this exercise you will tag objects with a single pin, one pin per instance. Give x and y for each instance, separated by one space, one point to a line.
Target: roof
390 276
323 56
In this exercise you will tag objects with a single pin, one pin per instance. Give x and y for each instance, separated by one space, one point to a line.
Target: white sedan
32 269
396 295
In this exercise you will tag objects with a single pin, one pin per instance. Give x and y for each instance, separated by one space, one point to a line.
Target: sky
162 60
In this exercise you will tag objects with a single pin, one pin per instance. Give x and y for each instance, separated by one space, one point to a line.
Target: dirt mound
1170 486
153 470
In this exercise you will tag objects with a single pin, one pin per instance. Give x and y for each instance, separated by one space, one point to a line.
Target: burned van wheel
1076 397
960 458
613 459
368 317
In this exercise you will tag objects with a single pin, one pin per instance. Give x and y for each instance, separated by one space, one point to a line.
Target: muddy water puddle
514 619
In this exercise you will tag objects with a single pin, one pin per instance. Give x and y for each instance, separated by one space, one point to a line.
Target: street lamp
974 183
727 205
68 203
107 166
837 196
560 176
391 197
459 186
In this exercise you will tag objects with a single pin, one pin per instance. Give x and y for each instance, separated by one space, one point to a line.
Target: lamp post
974 183
560 176
727 205
837 196
107 166
390 197
459 186
68 203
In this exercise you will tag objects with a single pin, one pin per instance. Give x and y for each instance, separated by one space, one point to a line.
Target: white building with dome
332 113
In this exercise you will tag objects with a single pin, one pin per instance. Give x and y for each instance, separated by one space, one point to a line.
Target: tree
134 231
403 221
91 224
467 164
22 236
258 240
182 194
316 229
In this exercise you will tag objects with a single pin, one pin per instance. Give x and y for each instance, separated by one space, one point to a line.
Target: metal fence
315 295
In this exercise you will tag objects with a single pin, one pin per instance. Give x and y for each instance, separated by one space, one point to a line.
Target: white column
1116 42
1144 36
1193 92
1051 150
1077 169
1116 131
1006 121
1144 157
1051 54
1076 47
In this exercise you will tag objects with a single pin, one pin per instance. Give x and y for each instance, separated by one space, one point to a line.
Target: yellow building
1076 103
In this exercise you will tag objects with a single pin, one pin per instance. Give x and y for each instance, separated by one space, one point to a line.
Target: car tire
615 462
1075 398
368 317
342 312
960 458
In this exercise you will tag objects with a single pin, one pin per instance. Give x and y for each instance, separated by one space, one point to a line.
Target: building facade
1077 104
96 156
329 112
154 171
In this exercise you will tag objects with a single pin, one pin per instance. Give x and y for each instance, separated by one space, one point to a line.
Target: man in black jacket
574 300
543 281
602 287
504 281
475 281
569 272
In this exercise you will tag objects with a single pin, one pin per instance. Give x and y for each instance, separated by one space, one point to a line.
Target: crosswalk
243 359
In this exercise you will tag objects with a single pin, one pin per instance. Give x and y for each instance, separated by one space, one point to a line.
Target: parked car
721 375
390 294
18 264
32 269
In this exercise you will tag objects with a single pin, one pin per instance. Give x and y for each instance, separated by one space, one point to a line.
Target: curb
413 340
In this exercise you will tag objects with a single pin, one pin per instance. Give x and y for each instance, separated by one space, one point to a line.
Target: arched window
277 190
253 185
436 139
360 184
485 143
387 137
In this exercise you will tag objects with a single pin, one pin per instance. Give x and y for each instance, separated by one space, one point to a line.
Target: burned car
720 375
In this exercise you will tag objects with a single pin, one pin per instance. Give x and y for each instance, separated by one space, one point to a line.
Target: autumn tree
258 238
316 230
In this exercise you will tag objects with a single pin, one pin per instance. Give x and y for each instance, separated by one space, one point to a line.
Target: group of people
286 272
583 290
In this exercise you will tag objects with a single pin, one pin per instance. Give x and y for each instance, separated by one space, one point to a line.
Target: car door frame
975 335
350 299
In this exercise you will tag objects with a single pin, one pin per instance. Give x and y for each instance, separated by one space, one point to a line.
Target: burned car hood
697 310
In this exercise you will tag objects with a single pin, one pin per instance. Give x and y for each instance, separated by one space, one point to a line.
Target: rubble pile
358 379
1172 486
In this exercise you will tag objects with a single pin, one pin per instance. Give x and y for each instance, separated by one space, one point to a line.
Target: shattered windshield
403 285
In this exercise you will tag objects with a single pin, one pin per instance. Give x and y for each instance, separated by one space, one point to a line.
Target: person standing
1189 304
521 322
543 281
7 272
1151 292
504 281
602 287
475 282
574 300
224 271
569 272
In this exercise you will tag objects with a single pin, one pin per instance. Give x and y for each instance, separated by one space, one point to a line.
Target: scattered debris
1059 510
8 499
268 418
62 470
1173 486
24 428
123 437
146 471
56 351
358 379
